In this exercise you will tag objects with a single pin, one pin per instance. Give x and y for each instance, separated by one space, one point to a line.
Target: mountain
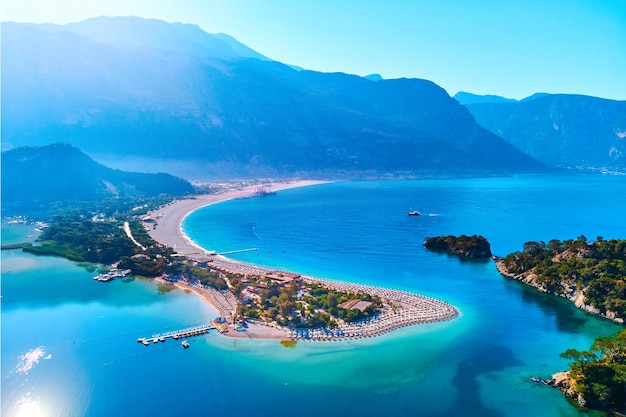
37 176
155 94
468 98
561 130
134 32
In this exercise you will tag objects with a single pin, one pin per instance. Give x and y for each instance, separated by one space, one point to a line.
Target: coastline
404 308
575 295
170 217
169 233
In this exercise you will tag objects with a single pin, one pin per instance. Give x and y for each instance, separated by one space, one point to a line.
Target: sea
69 343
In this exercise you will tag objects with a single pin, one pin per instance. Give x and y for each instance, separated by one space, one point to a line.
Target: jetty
176 334
238 251
112 274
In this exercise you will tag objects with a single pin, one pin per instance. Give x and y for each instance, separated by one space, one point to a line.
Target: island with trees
597 377
591 274
465 246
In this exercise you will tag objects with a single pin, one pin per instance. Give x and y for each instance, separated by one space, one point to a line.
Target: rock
466 246
564 383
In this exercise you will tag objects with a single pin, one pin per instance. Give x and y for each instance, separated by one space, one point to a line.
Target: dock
238 251
176 334
112 274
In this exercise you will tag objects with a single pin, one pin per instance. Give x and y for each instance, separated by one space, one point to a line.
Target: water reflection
565 315
492 359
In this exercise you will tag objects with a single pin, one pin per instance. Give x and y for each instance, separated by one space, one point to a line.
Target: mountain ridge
561 130
242 116
34 177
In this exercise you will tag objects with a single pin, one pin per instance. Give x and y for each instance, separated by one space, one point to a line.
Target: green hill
35 177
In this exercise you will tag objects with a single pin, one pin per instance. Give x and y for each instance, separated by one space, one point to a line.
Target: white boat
185 344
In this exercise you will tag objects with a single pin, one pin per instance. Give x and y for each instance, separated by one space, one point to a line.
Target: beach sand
169 232
170 217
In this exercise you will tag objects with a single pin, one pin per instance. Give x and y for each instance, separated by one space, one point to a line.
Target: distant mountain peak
374 77
535 96
132 31
468 98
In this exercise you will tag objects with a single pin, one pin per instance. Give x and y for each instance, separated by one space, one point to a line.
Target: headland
399 308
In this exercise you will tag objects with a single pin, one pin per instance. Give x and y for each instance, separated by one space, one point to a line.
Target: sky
511 48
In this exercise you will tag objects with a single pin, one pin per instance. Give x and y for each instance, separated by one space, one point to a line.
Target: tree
579 357
332 300
601 380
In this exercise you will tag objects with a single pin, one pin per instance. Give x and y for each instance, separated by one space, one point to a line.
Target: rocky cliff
568 290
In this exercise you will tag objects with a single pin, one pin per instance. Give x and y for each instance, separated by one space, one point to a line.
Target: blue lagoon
69 343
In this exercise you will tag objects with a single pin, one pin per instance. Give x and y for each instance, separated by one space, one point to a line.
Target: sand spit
400 308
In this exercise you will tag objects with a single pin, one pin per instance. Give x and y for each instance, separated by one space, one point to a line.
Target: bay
83 333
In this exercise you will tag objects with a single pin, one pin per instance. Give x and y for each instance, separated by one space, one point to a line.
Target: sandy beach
169 232
403 308
170 217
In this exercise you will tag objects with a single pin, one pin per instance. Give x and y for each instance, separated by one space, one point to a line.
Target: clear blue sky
511 48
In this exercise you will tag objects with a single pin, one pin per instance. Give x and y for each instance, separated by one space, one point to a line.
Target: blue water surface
84 332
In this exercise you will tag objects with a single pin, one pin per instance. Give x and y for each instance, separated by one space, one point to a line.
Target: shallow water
78 336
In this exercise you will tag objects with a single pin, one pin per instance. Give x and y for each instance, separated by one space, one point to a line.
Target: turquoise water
84 333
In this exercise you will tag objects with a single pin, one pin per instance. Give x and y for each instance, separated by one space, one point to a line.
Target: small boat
185 344
414 213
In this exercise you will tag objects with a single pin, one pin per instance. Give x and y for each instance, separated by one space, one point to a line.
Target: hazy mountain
468 98
135 32
561 130
36 176
149 91
374 77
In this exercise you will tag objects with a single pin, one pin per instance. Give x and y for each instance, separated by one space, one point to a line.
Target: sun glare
30 408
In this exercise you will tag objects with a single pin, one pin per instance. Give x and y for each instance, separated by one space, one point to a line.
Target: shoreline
171 216
403 308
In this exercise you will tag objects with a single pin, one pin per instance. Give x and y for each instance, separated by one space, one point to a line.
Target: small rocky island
466 246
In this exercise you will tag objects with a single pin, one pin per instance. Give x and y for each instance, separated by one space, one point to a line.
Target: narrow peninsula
284 304
146 239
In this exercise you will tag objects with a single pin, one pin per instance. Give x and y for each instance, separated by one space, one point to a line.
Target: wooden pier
238 251
176 334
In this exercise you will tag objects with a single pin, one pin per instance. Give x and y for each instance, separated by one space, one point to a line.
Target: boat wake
254 231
